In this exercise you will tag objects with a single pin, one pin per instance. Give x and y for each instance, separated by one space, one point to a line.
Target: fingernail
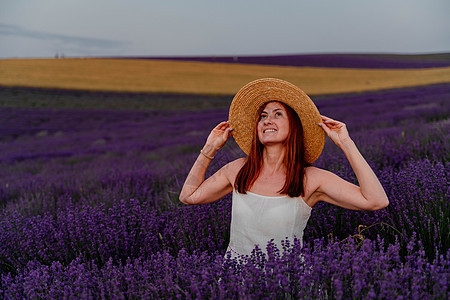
320 124
231 129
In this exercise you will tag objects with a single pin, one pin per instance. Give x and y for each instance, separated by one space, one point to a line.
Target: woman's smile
269 130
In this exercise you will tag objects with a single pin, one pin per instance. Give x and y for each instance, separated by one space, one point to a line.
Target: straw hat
247 101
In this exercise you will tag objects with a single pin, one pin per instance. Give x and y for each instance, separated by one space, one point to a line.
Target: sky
98 28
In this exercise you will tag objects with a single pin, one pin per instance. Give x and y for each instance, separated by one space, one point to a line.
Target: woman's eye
278 114
263 116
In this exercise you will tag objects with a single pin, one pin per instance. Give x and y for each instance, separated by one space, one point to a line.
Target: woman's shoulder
314 177
236 164
312 182
232 168
314 171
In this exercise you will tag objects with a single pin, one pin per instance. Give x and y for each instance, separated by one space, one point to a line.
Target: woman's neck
273 158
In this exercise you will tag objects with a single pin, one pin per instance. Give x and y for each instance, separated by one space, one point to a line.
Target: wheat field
159 76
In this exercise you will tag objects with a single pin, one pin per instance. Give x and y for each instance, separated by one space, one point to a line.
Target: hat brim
247 101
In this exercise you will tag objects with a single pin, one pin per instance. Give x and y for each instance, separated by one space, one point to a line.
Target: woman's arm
370 195
195 189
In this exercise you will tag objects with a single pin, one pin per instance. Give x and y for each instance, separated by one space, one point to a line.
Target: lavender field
369 61
89 203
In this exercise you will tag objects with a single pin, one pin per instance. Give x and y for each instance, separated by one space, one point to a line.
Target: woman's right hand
195 189
218 137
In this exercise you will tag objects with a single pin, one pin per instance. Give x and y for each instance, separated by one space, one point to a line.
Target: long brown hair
294 159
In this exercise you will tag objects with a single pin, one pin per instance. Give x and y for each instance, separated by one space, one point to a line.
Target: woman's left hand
336 131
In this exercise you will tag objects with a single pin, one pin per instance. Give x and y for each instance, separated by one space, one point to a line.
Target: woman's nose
267 121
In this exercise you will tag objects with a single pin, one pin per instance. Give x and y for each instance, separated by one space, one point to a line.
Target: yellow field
200 77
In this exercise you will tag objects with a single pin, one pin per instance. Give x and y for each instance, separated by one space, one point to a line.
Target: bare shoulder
313 179
235 165
317 175
313 172
232 168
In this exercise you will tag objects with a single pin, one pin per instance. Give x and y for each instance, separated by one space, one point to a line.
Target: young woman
275 187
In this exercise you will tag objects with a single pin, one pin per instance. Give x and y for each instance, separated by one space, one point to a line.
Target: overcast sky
43 28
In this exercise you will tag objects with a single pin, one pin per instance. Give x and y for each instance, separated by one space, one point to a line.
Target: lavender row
370 61
364 270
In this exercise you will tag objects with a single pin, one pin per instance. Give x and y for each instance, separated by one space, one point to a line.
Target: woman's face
273 124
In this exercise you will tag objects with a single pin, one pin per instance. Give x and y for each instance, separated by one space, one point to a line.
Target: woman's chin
272 142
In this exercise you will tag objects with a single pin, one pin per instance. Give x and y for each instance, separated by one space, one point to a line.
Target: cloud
74 41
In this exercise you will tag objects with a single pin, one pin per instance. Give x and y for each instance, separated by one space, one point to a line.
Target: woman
275 187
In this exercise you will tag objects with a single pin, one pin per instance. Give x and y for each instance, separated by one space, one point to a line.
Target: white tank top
256 219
